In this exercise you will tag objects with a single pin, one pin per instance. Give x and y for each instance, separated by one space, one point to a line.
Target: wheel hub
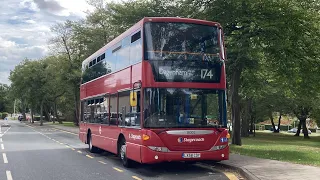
123 151
90 144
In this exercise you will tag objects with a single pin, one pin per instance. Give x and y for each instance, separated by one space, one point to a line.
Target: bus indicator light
145 137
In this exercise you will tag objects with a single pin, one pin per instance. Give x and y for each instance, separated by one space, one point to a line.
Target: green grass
282 147
64 123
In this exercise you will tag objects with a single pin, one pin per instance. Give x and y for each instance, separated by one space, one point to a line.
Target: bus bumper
149 156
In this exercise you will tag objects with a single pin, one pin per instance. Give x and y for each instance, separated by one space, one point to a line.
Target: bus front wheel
92 148
123 154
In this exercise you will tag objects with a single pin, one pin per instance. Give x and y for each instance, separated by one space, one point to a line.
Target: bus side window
105 110
124 107
136 48
81 111
97 116
91 107
113 109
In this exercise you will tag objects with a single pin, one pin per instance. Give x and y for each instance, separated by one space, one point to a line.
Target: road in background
45 153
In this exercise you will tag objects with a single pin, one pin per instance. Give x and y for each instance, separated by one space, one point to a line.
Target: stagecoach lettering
134 137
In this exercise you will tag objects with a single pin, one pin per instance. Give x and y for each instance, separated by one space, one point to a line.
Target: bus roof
139 24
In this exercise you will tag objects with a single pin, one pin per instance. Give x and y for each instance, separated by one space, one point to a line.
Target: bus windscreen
183 108
181 41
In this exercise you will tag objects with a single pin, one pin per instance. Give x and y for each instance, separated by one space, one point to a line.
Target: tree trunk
245 120
23 107
305 130
235 106
251 124
299 129
47 114
41 113
252 116
56 113
272 122
279 123
76 111
32 118
302 114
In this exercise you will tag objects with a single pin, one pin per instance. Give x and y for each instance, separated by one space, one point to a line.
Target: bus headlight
215 148
159 149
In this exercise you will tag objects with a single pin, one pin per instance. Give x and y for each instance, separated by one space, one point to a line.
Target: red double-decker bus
157 93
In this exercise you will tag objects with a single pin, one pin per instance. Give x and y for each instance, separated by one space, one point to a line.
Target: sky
25 28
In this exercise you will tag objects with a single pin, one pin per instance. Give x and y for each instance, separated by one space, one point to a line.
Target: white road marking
5 159
117 169
1 140
89 156
9 176
7 130
2 146
102 162
137 178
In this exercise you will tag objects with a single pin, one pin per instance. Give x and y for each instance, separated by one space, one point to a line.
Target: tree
27 84
67 46
5 104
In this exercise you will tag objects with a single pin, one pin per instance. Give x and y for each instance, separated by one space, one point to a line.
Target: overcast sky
25 28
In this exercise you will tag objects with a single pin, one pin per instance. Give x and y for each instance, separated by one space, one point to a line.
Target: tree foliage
272 49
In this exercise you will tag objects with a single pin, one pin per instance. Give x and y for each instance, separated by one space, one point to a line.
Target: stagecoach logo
190 140
134 137
100 130
170 74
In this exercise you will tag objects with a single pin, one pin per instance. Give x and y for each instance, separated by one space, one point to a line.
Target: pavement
257 169
32 152
264 169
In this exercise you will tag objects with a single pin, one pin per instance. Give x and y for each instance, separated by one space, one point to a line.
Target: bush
3 115
269 126
36 118
313 130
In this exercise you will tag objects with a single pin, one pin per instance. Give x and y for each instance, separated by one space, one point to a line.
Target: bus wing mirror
133 99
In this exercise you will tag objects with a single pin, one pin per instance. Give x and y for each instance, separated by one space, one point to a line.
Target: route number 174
206 73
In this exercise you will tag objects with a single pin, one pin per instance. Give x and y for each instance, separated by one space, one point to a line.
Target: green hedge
269 126
3 115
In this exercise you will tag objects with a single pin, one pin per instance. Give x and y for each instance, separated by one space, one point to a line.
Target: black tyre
92 148
190 162
123 154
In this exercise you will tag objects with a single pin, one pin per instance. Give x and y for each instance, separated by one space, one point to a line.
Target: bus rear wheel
123 154
92 148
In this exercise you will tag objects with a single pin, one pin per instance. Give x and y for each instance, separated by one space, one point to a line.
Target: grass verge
282 147
64 123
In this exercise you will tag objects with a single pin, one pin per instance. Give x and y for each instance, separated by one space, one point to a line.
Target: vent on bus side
103 56
116 49
98 59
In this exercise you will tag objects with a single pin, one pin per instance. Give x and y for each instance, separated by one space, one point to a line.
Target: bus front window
169 108
181 41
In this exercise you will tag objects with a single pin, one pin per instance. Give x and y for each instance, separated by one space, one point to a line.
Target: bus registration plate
191 155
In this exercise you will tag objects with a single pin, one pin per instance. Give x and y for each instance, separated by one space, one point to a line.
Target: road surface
45 153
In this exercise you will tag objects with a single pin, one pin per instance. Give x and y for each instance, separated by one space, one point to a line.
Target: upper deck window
136 37
181 41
